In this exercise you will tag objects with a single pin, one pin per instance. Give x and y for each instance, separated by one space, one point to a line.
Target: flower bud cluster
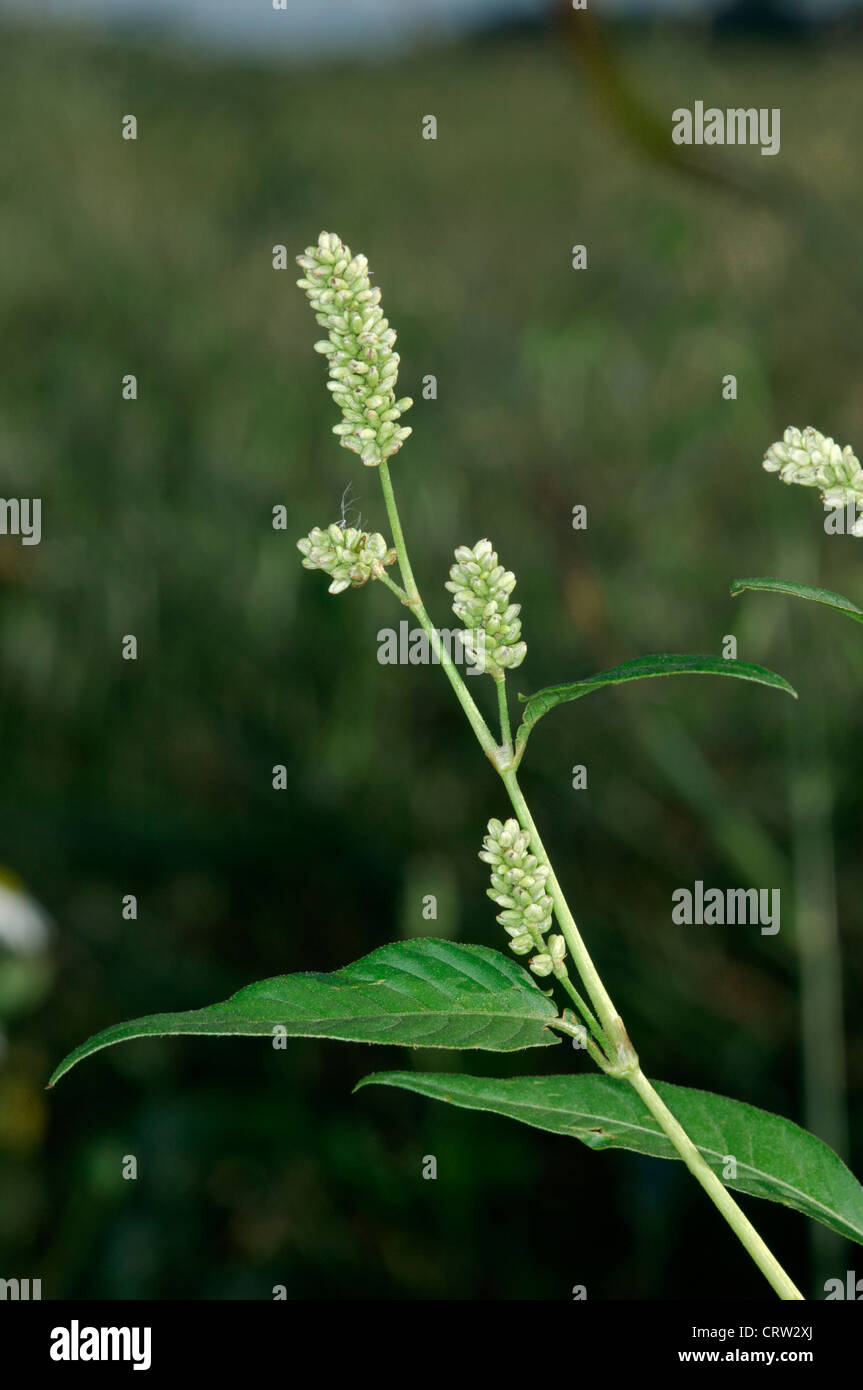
359 345
348 556
482 590
814 460
518 885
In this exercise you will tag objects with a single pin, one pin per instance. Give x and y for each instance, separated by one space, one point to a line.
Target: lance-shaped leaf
643 667
421 993
816 595
774 1158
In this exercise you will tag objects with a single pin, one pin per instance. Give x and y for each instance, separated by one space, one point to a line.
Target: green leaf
420 993
776 1159
788 586
666 664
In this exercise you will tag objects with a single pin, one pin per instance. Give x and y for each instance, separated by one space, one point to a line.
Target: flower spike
359 346
518 885
348 556
815 460
483 590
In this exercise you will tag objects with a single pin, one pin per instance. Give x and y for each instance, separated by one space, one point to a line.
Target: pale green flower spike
482 591
518 885
359 345
350 557
815 460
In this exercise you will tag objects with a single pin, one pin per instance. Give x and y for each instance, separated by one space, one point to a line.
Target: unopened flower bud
541 965
557 951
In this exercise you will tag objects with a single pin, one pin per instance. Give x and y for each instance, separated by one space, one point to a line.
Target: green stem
716 1191
585 1010
576 1031
561 974
611 1021
397 589
398 535
463 695
627 1066
503 710
622 1058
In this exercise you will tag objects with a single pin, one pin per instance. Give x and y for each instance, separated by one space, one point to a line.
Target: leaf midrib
702 1148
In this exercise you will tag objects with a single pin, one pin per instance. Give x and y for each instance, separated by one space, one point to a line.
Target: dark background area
555 387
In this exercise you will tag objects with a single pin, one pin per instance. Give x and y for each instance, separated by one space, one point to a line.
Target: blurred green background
555 387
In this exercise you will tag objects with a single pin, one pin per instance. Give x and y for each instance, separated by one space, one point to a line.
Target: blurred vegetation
257 1167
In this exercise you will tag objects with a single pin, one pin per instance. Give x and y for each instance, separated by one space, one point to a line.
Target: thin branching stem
620 1058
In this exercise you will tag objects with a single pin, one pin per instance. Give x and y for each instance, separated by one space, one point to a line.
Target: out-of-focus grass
554 388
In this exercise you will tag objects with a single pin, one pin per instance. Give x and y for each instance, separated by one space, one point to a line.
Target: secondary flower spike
348 556
359 346
814 460
518 883
482 590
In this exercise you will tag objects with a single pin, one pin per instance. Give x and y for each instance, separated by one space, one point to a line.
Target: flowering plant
445 994
812 459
